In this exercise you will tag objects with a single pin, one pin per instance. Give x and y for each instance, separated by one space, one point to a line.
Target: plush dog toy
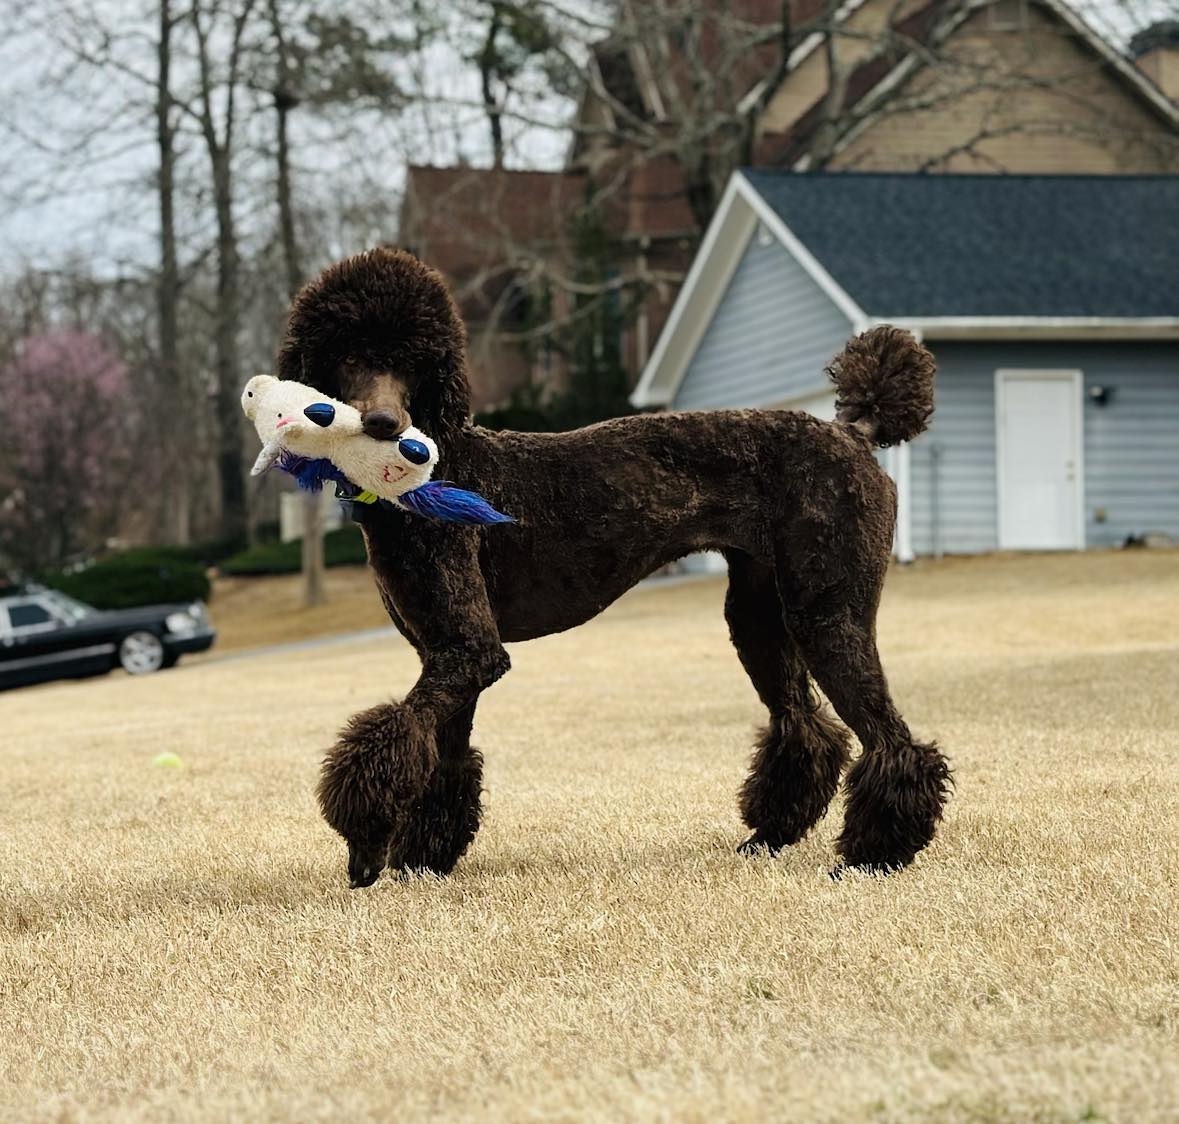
318 439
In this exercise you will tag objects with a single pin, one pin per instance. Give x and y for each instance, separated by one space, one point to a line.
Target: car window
67 608
28 615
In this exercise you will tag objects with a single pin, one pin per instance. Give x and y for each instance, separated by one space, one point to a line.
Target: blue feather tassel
310 475
440 500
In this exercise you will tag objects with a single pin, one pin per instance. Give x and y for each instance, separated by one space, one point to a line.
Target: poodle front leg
438 827
381 763
394 785
377 779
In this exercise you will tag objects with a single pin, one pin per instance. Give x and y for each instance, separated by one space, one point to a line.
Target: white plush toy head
290 411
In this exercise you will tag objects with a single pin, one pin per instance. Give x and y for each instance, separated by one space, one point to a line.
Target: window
28 615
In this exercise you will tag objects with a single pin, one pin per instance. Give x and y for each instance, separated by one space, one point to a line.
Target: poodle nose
382 424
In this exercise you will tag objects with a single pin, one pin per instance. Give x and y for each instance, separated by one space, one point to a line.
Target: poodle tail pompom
884 385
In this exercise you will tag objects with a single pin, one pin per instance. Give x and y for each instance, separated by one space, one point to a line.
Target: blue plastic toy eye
322 413
413 451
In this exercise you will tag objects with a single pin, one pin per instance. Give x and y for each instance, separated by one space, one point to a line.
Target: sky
79 143
76 178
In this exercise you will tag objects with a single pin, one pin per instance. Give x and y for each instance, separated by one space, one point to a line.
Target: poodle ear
440 405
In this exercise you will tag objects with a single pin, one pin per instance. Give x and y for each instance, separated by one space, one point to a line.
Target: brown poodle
799 507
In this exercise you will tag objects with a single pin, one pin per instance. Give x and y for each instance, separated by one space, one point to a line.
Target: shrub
342 547
143 576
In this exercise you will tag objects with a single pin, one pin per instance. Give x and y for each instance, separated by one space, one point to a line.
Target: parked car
46 635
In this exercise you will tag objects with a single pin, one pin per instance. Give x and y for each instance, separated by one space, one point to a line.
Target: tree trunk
834 106
285 100
230 470
176 408
229 412
488 66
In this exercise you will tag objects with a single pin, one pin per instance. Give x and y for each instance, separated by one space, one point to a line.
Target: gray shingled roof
992 245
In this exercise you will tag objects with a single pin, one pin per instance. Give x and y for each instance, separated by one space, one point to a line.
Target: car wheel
170 659
141 653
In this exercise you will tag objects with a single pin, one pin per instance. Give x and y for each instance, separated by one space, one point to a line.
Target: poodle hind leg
801 753
898 787
432 833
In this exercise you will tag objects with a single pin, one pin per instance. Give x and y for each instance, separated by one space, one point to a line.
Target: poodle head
381 331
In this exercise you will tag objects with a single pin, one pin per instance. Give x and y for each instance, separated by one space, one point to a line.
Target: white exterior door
1039 447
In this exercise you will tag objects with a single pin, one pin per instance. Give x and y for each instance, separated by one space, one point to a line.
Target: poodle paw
758 844
365 864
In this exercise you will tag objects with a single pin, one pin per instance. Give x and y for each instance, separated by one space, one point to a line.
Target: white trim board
799 55
1038 327
1076 379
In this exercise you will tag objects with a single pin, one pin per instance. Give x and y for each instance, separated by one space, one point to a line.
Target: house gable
747 242
1046 96
770 338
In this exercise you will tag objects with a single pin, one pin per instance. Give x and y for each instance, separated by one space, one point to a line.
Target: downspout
904 482
903 468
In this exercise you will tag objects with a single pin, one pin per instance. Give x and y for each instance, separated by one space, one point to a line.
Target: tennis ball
167 761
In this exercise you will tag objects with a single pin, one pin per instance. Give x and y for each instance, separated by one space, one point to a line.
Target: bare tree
218 126
168 284
285 100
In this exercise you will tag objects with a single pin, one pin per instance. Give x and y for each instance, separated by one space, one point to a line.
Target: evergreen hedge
342 547
143 576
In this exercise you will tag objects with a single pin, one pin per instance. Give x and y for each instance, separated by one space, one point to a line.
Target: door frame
1028 374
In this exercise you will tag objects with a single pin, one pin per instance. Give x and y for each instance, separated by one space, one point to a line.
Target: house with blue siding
1050 302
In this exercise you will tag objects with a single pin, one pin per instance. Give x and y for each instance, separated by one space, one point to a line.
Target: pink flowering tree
66 454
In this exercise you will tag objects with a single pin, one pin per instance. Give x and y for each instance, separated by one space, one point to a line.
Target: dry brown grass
255 612
180 945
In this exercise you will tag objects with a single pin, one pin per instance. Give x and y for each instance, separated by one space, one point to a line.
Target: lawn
180 944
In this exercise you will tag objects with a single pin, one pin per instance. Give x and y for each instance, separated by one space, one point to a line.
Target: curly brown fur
379 765
894 804
800 507
884 385
439 825
796 768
